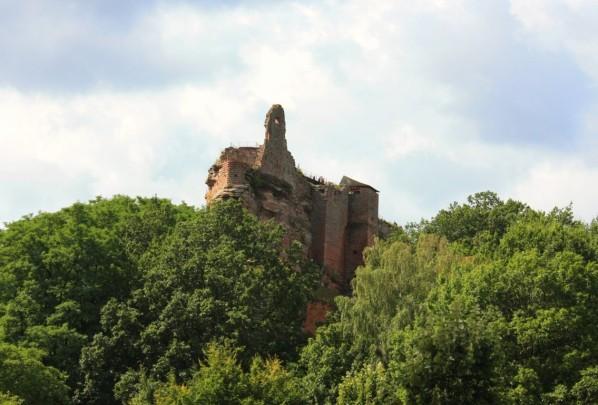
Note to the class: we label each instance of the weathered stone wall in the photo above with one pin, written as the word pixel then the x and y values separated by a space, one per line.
pixel 316 313
pixel 356 241
pixel 363 209
pixel 334 222
pixel 337 204
pixel 362 228
pixel 273 156
pixel 226 177
pixel 236 173
pixel 318 223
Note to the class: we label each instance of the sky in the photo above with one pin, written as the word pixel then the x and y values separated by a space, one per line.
pixel 429 101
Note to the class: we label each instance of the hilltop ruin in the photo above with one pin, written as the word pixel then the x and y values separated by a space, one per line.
pixel 334 222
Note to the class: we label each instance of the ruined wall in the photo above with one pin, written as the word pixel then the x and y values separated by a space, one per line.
pixel 356 241
pixel 227 176
pixel 316 313
pixel 362 227
pixel 337 205
pixel 363 209
pixel 273 156
pixel 318 223
pixel 373 218
pixel 334 222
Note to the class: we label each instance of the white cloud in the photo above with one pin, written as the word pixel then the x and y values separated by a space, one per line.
pixel 406 141
pixel 398 94
pixel 563 24
pixel 558 183
pixel 118 142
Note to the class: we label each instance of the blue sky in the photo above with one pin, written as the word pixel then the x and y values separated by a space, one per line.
pixel 428 101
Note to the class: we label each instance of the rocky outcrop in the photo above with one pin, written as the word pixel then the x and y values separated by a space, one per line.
pixel 334 222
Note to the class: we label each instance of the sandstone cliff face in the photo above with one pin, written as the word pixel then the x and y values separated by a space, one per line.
pixel 266 180
pixel 333 222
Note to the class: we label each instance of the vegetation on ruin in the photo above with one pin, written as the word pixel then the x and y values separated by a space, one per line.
pixel 142 301
pixel 261 181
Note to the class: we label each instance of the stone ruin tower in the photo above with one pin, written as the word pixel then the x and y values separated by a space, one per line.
pixel 334 222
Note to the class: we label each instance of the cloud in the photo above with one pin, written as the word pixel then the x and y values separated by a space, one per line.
pixel 58 150
pixel 407 141
pixel 566 24
pixel 428 101
pixel 553 184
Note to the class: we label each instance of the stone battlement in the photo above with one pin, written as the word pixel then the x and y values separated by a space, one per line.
pixel 334 222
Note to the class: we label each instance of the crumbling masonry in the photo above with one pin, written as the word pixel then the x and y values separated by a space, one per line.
pixel 335 222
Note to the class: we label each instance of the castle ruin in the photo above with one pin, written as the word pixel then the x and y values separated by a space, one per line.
pixel 334 222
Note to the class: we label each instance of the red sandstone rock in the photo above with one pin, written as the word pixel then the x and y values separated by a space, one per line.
pixel 334 222
pixel 316 312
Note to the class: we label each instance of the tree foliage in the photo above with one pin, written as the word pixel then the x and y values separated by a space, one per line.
pixel 140 301
pixel 105 290
pixel 24 376
pixel 488 302
pixel 219 276
pixel 220 379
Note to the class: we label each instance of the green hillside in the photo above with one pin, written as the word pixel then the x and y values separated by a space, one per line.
pixel 142 301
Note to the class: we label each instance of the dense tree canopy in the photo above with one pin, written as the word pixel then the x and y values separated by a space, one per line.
pixel 488 302
pixel 97 294
pixel 140 301
pixel 218 277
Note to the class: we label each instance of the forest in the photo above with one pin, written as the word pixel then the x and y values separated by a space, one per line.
pixel 142 301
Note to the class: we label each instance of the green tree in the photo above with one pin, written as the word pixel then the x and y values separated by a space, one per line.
pixel 220 379
pixel 370 385
pixel 451 355
pixel 478 224
pixel 489 302
pixel 24 375
pixel 325 360
pixel 388 293
pixel 58 269
pixel 8 399
pixel 218 276
pixel 585 391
